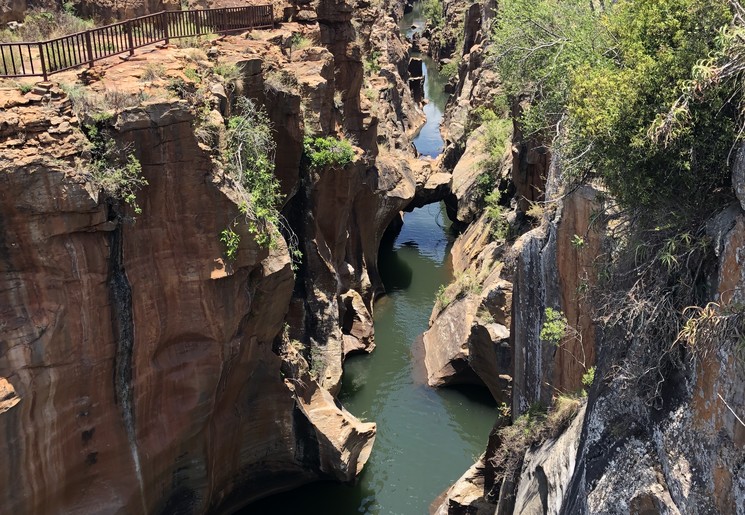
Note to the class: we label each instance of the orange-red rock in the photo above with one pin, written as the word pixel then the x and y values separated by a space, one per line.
pixel 139 363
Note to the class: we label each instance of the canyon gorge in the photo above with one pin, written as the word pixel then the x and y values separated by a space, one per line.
pixel 405 301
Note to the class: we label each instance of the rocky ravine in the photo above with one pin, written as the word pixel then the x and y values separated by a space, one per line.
pixel 141 370
pixel 682 453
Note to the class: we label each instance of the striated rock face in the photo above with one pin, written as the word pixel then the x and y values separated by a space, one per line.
pixel 386 94
pixel 444 39
pixel 137 364
pixel 547 470
pixel 682 454
pixel 467 193
pixel 432 185
pixel 476 85
pixel 555 266
pixel 341 214
pixel 142 371
pixel 466 496
pixel 684 451
pixel 341 255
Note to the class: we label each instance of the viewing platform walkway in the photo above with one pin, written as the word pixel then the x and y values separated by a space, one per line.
pixel 43 58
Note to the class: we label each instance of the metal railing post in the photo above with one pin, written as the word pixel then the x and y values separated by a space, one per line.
pixel 43 64
pixel 165 26
pixel 130 38
pixel 89 47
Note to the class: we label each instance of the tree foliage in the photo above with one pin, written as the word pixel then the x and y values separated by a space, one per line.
pixel 113 169
pixel 328 151
pixel 600 81
pixel 432 10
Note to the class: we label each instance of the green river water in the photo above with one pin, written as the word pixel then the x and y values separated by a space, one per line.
pixel 426 438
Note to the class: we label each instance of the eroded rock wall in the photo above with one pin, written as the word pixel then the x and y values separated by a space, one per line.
pixel 556 267
pixel 682 453
pixel 141 368
pixel 685 453
pixel 468 338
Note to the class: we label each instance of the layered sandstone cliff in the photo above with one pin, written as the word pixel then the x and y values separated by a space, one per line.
pixel 142 370
pixel 141 358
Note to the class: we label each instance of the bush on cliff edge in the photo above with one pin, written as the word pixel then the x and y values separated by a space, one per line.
pixel 249 158
pixel 598 81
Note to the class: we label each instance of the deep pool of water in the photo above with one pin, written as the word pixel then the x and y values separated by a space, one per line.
pixel 426 438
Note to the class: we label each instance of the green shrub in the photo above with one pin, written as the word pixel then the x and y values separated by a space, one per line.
pixel 554 327
pixel 114 170
pixel 463 284
pixel 536 46
pixel 249 158
pixel 442 298
pixel 450 69
pixel 24 87
pixel 192 75
pixel 232 241
pixel 371 64
pixel 232 74
pixel 499 229
pixel 602 80
pixel 588 377
pixel 432 11
pixel 299 42
pixel 328 152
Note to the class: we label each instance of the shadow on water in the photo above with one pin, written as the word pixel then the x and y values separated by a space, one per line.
pixel 396 273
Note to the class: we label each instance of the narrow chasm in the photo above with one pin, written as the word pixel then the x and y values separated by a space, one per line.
pixel 425 437
pixel 391 257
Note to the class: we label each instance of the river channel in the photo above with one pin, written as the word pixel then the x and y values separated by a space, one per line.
pixel 426 438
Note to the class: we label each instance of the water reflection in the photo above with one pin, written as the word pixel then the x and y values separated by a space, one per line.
pixel 428 141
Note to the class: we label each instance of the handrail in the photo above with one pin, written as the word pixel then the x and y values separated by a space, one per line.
pixel 43 58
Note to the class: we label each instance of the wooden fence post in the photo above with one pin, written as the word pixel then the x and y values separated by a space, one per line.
pixel 165 25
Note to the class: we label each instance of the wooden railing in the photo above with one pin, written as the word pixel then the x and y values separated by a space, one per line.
pixel 43 58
